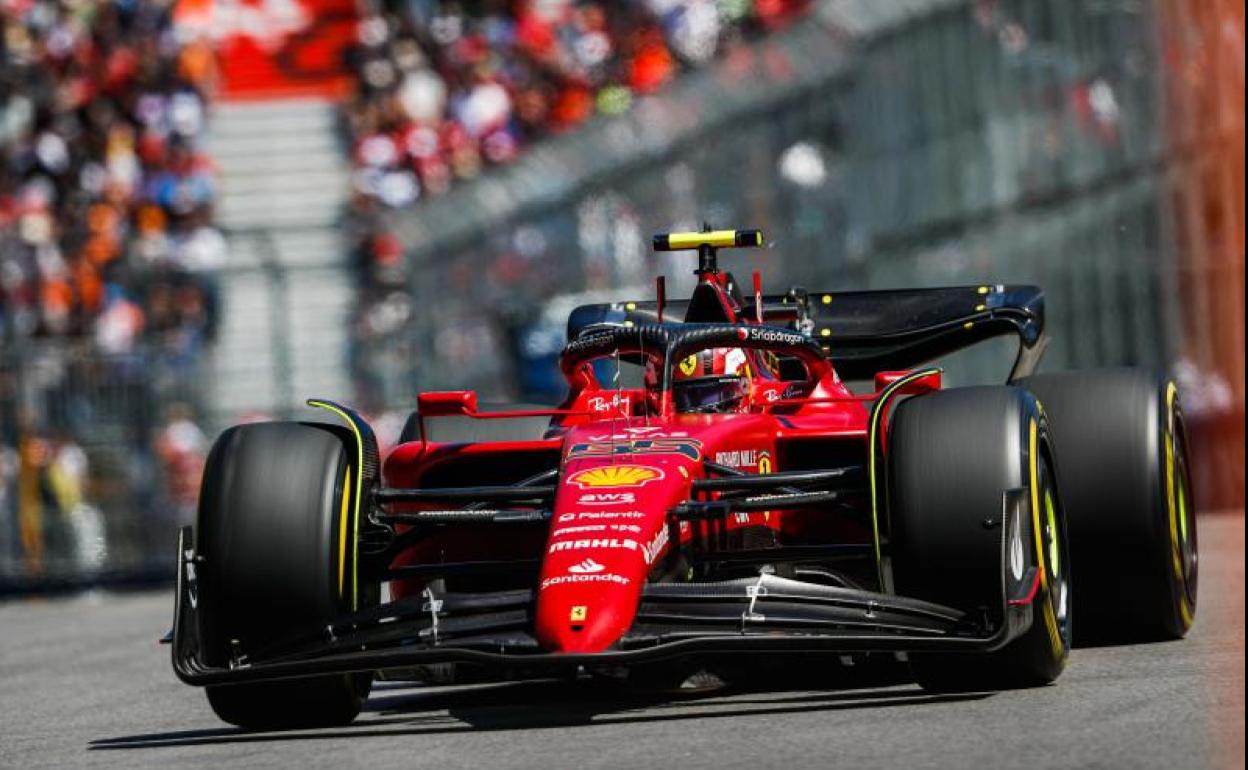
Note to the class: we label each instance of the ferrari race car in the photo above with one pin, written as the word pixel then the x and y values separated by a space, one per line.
pixel 710 489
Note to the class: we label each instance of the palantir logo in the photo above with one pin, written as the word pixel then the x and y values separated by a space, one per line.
pixel 586 567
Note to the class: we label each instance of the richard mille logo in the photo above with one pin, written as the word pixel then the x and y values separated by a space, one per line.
pixel 586 567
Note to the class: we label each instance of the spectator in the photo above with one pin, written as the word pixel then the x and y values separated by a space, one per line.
pixel 103 187
pixel 106 239
pixel 183 449
pixel 445 90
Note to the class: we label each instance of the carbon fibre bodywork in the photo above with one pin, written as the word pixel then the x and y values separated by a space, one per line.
pixel 864 332
pixel 767 614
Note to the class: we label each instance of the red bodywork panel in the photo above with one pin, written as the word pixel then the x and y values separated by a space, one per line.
pixel 624 462
pixel 618 480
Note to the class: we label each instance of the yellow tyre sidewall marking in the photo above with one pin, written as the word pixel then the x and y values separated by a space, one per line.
pixel 359 494
pixel 344 517
pixel 1172 508
pixel 1050 618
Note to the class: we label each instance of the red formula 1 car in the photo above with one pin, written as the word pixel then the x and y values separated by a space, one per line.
pixel 710 489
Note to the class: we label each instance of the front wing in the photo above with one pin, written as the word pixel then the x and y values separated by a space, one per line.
pixel 755 615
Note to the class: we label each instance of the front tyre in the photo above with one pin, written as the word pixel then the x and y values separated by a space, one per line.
pixel 969 468
pixel 277 545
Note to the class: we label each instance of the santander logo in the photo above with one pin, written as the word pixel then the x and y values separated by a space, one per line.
pixel 586 567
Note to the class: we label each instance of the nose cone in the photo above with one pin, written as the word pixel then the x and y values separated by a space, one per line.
pixel 609 530
pixel 586 616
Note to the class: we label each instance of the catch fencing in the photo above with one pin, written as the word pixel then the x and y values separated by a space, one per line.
pixel 99 458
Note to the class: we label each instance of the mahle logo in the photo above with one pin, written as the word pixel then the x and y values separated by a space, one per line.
pixel 615 476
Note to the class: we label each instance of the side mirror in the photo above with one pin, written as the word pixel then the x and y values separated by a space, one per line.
pixel 446 402
pixel 924 384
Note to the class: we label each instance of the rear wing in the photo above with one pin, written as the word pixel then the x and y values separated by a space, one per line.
pixel 864 332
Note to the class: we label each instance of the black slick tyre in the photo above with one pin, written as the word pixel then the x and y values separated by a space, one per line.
pixel 958 460
pixel 276 535
pixel 1127 490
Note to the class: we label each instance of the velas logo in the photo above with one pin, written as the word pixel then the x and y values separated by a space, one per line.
pixel 586 567
pixel 615 476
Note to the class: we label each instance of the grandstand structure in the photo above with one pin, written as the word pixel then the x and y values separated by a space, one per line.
pixel 287 287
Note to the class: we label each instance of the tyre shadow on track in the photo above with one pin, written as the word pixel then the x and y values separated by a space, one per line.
pixel 413 710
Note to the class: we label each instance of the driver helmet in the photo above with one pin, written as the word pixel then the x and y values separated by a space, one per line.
pixel 711 381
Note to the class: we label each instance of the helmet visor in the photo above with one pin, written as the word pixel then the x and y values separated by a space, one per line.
pixel 709 394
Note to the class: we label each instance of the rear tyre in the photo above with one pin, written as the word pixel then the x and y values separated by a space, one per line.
pixel 1127 490
pixel 276 537
pixel 955 458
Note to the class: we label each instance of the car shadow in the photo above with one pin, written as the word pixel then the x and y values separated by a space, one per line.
pixel 404 709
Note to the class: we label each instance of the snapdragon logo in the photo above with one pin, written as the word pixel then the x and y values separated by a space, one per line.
pixel 755 334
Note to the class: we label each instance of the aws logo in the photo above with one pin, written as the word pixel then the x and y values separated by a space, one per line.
pixel 615 476
pixel 608 498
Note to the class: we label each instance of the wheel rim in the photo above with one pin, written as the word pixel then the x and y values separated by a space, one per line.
pixel 1185 513
pixel 1054 555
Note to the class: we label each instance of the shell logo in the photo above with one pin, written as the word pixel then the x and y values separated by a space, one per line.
pixel 615 476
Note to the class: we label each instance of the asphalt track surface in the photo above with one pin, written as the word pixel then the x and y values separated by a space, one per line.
pixel 83 683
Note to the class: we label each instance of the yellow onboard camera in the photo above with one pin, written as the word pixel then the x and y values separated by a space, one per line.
pixel 706 242
pixel 715 239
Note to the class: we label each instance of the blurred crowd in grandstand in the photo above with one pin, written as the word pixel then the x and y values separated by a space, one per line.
pixel 105 195
pixel 107 243
pixel 446 90
pixel 51 486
